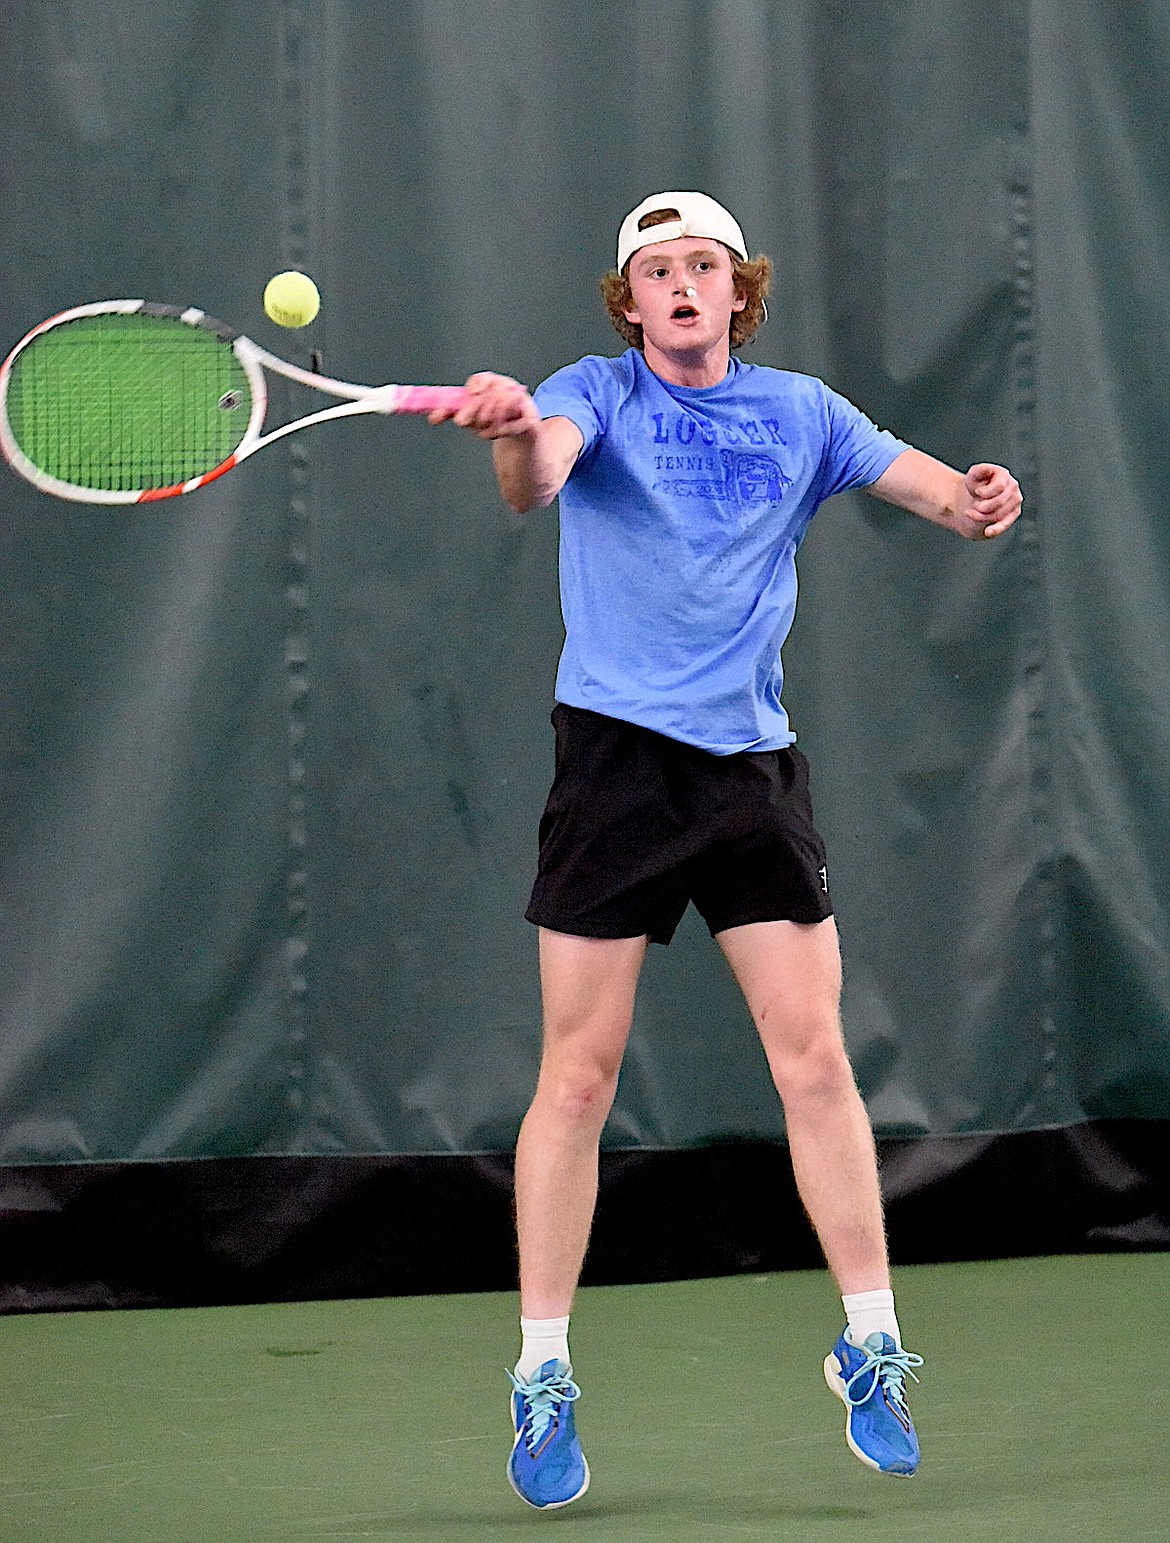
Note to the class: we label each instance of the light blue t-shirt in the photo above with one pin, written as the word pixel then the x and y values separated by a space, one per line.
pixel 680 524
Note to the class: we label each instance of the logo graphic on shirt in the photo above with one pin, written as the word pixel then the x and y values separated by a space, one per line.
pixel 689 429
pixel 823 875
pixel 726 462
pixel 736 476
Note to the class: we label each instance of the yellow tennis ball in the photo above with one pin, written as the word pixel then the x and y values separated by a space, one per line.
pixel 291 299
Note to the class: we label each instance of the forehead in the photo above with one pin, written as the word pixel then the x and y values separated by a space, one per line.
pixel 683 247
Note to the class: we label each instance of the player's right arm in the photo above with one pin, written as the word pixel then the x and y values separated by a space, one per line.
pixel 533 467
pixel 533 456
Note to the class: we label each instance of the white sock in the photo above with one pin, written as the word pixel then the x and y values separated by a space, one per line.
pixel 544 1339
pixel 870 1312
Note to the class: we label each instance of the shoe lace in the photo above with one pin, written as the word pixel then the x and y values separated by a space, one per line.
pixel 890 1368
pixel 542 1399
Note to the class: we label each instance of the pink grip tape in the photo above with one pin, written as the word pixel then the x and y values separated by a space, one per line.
pixel 424 399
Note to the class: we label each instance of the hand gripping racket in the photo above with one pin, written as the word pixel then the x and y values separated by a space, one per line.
pixel 124 401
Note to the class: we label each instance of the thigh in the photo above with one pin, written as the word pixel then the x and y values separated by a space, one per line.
pixel 790 975
pixel 613 839
pixel 767 862
pixel 588 986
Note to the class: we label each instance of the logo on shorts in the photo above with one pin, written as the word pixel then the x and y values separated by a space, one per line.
pixel 823 874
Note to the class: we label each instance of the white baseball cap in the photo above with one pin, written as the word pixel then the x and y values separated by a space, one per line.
pixel 698 215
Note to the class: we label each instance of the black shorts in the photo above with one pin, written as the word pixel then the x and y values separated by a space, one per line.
pixel 638 825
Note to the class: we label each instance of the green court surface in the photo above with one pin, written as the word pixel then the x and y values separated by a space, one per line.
pixel 704 1416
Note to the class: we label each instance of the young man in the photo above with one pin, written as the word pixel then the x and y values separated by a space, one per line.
pixel 687 481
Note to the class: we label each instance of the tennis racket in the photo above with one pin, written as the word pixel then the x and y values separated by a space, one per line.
pixel 124 401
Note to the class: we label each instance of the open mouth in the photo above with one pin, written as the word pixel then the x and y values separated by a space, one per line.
pixel 683 313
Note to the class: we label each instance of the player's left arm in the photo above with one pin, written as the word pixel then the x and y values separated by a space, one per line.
pixel 984 501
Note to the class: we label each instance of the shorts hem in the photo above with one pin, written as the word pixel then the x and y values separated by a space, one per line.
pixel 802 918
pixel 575 929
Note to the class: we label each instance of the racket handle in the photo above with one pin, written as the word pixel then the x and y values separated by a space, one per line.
pixel 425 399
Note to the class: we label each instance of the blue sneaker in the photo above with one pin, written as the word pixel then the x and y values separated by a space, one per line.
pixel 870 1382
pixel 547 1467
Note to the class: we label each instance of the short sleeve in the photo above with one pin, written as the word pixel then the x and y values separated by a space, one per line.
pixel 587 393
pixel 857 451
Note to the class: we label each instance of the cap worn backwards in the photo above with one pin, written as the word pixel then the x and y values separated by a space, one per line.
pixel 697 215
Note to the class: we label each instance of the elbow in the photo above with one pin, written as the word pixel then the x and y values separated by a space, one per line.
pixel 516 493
pixel 524 500
pixel 521 500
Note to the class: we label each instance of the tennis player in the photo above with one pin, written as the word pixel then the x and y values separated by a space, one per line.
pixel 687 480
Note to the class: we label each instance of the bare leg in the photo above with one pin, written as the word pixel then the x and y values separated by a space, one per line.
pixel 790 975
pixel 588 987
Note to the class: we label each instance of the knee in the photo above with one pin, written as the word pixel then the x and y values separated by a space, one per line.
pixel 816 1070
pixel 578 1092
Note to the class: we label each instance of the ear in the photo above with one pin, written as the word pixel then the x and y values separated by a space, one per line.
pixel 739 302
pixel 632 316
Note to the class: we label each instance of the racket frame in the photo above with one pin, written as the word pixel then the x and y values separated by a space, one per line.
pixel 253 360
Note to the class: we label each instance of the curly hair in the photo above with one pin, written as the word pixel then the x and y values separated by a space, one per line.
pixel 752 279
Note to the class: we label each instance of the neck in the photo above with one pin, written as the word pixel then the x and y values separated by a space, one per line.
pixel 705 368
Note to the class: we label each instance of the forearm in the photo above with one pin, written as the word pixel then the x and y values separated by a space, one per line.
pixel 983 501
pixel 533 456
pixel 926 487
pixel 529 471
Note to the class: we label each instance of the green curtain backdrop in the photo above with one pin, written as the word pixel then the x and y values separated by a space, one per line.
pixel 272 756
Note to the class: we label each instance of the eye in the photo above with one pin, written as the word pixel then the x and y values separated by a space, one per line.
pixel 704 265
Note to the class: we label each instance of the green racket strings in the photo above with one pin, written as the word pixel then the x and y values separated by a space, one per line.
pixel 120 402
